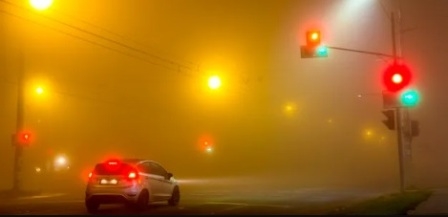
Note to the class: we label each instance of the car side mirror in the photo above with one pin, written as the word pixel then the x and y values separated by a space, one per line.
pixel 169 175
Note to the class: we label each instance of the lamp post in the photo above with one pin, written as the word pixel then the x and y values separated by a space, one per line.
pixel 16 187
pixel 19 127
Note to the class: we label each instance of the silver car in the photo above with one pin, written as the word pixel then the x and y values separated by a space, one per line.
pixel 131 181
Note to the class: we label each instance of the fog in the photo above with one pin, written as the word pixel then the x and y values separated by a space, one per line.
pixel 129 79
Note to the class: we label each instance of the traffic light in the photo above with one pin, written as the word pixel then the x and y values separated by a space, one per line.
pixel 390 121
pixel 396 77
pixel 313 47
pixel 390 100
pixel 313 38
pixel 409 98
pixel 208 147
pixel 23 138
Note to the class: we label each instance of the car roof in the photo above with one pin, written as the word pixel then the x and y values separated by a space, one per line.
pixel 133 161
pixel 136 160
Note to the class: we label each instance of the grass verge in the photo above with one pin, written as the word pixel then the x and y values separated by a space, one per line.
pixel 391 204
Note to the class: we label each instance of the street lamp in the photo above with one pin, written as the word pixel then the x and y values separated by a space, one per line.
pixel 38 5
pixel 41 4
pixel 39 90
pixel 60 163
pixel 214 82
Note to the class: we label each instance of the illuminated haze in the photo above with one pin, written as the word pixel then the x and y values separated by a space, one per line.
pixel 101 102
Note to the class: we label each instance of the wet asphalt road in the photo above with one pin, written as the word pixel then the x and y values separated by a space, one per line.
pixel 202 201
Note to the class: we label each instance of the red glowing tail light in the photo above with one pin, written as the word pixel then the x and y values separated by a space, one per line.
pixel 112 162
pixel 132 175
pixel 112 165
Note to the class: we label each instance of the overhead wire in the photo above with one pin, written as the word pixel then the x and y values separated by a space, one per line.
pixel 171 62
pixel 178 66
pixel 80 38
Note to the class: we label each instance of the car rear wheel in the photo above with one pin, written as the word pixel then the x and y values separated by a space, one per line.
pixel 143 200
pixel 92 205
pixel 175 197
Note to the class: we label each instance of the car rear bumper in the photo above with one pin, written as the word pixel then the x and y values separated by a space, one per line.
pixel 107 194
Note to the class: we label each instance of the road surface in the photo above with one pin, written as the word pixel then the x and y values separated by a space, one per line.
pixel 202 200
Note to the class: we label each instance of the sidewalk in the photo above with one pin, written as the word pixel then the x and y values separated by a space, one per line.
pixel 437 204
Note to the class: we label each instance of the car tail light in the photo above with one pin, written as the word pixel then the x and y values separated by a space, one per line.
pixel 132 175
pixel 112 165
pixel 112 162
pixel 91 176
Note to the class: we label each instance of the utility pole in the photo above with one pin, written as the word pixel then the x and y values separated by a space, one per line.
pixel 407 133
pixel 19 127
pixel 399 121
pixel 402 116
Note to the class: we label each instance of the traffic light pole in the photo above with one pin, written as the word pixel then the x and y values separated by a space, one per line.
pixel 401 156
pixel 402 123
pixel 362 51
pixel 20 112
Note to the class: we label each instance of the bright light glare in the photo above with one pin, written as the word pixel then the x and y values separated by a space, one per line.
pixel 289 108
pixel 209 149
pixel 132 175
pixel 38 169
pixel 41 4
pixel 369 133
pixel 61 161
pixel 314 36
pixel 214 82
pixel 39 90
pixel 397 78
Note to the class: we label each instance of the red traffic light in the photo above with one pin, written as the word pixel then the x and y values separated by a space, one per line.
pixel 24 138
pixel 313 38
pixel 396 77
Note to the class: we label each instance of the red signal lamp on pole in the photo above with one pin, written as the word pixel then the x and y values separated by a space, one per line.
pixel 396 77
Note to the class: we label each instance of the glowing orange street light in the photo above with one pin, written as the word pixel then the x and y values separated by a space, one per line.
pixel 39 90
pixel 41 4
pixel 214 82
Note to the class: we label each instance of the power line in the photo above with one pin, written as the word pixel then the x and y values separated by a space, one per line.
pixel 109 31
pixel 81 38
pixel 126 103
pixel 97 36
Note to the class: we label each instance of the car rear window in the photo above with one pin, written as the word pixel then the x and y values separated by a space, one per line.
pixel 106 169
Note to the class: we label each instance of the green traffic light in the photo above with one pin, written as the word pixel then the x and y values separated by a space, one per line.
pixel 322 51
pixel 410 98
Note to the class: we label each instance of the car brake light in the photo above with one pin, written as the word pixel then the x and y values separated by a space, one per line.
pixel 132 175
pixel 112 163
